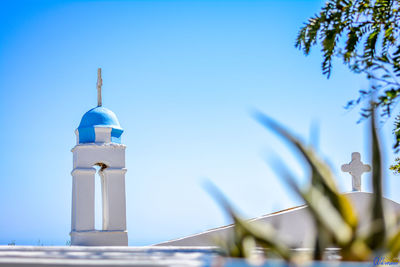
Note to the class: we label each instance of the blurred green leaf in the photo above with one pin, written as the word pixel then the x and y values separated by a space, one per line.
pixel 321 177
pixel 263 234
pixel 378 234
pixel 394 245
pixel 334 216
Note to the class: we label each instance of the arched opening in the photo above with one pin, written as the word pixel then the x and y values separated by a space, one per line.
pixel 99 196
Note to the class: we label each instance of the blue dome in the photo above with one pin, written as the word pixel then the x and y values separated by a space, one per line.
pixel 99 117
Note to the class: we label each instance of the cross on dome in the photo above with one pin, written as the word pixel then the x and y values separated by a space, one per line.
pixel 99 84
pixel 356 168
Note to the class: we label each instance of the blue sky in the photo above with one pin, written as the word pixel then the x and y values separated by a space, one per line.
pixel 183 78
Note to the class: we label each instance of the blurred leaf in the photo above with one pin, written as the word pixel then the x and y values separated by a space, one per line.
pixel 263 234
pixel 322 177
pixel 357 250
pixel 377 237
pixel 334 215
pixel 394 245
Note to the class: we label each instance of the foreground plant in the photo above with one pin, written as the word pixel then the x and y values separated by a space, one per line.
pixel 334 216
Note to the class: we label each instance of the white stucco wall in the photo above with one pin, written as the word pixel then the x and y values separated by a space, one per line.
pixel 294 226
pixel 112 155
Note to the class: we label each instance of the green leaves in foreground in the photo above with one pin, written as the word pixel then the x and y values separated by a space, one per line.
pixel 333 213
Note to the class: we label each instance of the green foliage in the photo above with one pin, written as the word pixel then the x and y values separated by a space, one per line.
pixel 396 166
pixel 334 216
pixel 246 236
pixel 364 34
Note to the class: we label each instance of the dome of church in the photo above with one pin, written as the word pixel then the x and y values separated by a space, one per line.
pixel 99 117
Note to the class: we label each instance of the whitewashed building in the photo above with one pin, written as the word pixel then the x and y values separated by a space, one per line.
pixel 99 146
pixel 98 143
pixel 295 226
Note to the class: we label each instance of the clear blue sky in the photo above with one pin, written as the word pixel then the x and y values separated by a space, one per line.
pixel 182 77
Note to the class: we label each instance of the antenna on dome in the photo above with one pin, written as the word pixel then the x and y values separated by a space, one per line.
pixel 99 84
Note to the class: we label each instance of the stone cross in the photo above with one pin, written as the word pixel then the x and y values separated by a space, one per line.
pixel 356 168
pixel 99 84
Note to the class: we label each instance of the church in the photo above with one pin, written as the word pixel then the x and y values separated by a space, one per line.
pixel 98 143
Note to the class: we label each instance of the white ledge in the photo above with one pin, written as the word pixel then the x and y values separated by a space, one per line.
pixel 117 170
pixel 83 170
pixel 94 145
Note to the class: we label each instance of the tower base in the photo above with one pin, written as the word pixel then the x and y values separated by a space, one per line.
pixel 99 238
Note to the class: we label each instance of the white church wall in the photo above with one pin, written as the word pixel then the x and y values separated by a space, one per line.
pixel 294 226
pixel 114 215
pixel 83 199
pixel 113 232
pixel 102 134
pixel 87 155
pixel 99 238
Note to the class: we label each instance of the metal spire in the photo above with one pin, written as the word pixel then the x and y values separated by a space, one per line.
pixel 99 84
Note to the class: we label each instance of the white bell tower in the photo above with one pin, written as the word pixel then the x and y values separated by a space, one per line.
pixel 99 143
